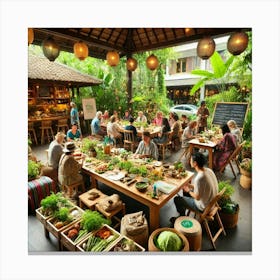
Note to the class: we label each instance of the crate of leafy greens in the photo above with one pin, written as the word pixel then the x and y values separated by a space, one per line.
pixel 99 240
pixel 50 204
pixel 63 218
pixel 90 221
pixel 125 244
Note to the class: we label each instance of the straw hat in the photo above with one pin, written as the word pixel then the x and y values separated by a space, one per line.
pixel 69 147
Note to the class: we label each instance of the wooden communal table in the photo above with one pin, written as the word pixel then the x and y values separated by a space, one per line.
pixel 50 118
pixel 209 145
pixel 131 191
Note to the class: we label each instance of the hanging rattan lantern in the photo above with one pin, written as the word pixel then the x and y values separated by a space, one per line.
pixel 113 58
pixel 50 49
pixel 131 64
pixel 30 36
pixel 237 43
pixel 205 47
pixel 81 50
pixel 152 62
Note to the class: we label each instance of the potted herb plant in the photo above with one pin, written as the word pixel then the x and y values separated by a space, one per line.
pixel 229 209
pixel 89 147
pixel 246 173
pixel 34 169
pixel 247 150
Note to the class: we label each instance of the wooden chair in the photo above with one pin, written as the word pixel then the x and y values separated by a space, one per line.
pixel 32 132
pixel 62 125
pixel 112 214
pixel 46 131
pixel 162 147
pixel 210 213
pixel 129 140
pixel 233 158
pixel 69 189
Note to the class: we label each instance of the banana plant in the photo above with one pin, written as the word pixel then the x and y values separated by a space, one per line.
pixel 221 71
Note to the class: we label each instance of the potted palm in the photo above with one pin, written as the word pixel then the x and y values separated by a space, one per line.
pixel 246 173
pixel 229 209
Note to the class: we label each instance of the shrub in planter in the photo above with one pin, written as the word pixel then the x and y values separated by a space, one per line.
pixel 34 169
pixel 247 150
pixel 229 208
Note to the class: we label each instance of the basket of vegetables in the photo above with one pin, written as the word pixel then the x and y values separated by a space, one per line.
pixel 99 241
pixel 50 204
pixel 125 244
pixel 63 218
pixel 90 221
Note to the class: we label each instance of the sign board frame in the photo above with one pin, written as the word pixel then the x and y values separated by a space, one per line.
pixel 225 111
pixel 89 108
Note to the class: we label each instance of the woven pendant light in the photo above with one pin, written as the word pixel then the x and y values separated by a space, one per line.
pixel 113 58
pixel 237 43
pixel 30 36
pixel 205 47
pixel 131 64
pixel 152 62
pixel 50 49
pixel 81 50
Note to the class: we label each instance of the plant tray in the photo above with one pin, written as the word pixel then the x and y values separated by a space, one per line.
pixel 119 245
pixel 43 219
pixel 57 232
pixel 81 245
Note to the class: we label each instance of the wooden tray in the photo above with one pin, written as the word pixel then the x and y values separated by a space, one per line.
pixel 43 219
pixel 93 233
pixel 137 247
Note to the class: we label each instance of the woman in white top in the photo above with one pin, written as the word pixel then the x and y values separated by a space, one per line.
pixel 141 117
pixel 234 129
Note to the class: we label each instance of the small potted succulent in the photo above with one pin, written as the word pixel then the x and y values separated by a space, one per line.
pixel 229 209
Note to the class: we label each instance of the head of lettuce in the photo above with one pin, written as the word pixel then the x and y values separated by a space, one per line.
pixel 169 241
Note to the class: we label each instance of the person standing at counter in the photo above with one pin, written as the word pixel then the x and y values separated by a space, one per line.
pixel 73 133
pixel 146 148
pixel 203 114
pixel 74 115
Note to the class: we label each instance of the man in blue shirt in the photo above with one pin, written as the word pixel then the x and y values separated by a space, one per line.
pixel 96 128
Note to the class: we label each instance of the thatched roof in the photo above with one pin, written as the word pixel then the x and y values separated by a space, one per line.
pixel 43 70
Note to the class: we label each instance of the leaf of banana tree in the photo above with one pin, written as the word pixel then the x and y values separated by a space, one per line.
pixel 198 85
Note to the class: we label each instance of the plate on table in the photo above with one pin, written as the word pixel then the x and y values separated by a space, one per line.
pixel 158 164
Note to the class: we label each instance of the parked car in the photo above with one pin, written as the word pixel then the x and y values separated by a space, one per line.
pixel 184 109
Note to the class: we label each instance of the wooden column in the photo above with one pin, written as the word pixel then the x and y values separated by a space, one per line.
pixel 129 90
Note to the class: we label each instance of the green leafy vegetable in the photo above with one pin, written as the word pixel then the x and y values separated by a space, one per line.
pixel 169 241
pixel 92 220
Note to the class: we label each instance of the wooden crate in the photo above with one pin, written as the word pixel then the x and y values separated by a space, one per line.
pixel 120 240
pixel 57 232
pixel 43 219
pixel 94 233
pixel 67 242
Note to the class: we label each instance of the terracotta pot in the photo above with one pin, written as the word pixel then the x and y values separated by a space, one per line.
pixel 245 179
pixel 152 247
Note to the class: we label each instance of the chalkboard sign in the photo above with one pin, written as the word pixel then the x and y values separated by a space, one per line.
pixel 225 111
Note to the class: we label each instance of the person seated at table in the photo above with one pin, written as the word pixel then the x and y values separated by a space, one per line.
pixel 163 135
pixel 146 148
pixel 184 121
pixel 73 133
pixel 198 195
pixel 176 128
pixel 54 153
pixel 105 116
pixel 235 130
pixel 141 117
pixel 158 119
pixel 224 148
pixel 132 127
pixel 114 129
pixel 127 115
pixel 171 118
pixel 96 127
pixel 68 167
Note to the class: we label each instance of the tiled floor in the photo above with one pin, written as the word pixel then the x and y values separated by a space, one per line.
pixel 236 240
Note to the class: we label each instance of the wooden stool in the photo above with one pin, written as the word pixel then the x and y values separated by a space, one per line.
pixel 69 189
pixel 46 128
pixel 32 132
pixel 62 125
pixel 191 228
pixel 112 214
pixel 87 200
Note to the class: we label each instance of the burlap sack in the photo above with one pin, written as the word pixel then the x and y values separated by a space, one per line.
pixel 133 224
pixel 110 203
